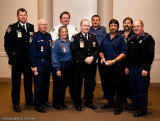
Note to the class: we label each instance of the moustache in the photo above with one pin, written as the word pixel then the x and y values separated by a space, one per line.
pixel 126 26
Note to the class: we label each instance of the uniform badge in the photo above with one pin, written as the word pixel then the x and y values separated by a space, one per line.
pixel 94 44
pixel 30 33
pixel 30 40
pixel 64 50
pixel 140 41
pixel 42 49
pixel 19 34
pixel 9 29
pixel 81 44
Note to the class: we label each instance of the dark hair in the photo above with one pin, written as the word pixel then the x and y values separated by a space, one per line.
pixel 95 16
pixel 128 18
pixel 114 21
pixel 21 9
pixel 65 12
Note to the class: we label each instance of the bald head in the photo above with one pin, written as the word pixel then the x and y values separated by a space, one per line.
pixel 138 27
pixel 42 25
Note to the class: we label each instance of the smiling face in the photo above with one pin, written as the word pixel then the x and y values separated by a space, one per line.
pixel 127 25
pixel 65 19
pixel 22 17
pixel 85 26
pixel 63 33
pixel 138 28
pixel 42 25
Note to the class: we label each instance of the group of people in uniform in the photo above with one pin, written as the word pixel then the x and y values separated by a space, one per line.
pixel 123 58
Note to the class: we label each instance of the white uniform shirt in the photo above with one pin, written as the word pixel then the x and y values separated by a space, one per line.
pixel 71 31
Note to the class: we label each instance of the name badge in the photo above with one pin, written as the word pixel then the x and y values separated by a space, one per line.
pixel 94 44
pixel 81 44
pixel 19 34
pixel 64 50
pixel 42 49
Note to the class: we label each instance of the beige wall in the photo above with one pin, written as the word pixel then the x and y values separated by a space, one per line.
pixel 79 9
pixel 148 12
pixel 8 11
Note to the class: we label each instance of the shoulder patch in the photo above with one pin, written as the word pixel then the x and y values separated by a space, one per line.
pixel 53 30
pixel 9 29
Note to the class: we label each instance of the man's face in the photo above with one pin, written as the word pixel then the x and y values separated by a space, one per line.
pixel 113 28
pixel 127 25
pixel 85 26
pixel 138 28
pixel 42 26
pixel 22 17
pixel 95 22
pixel 65 19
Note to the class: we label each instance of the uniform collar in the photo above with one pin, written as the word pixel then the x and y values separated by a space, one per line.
pixel 60 39
pixel 94 29
pixel 142 35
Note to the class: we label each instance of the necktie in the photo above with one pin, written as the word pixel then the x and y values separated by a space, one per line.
pixel 24 27
pixel 85 36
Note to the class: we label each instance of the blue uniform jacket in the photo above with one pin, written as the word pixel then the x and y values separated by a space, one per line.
pixel 40 49
pixel 61 52
pixel 113 48
pixel 100 33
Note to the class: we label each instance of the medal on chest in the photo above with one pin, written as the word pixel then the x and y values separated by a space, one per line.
pixel 19 34
pixel 94 44
pixel 81 44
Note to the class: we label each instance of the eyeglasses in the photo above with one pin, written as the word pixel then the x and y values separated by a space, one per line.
pixel 43 24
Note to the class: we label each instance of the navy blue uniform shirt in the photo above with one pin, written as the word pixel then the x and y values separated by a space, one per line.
pixel 130 34
pixel 40 48
pixel 61 52
pixel 112 48
pixel 100 33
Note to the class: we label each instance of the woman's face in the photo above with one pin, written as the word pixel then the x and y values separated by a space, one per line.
pixel 63 33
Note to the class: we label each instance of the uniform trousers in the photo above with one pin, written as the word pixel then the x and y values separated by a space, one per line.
pixel 41 85
pixel 139 88
pixel 17 71
pixel 60 83
pixel 86 72
pixel 112 83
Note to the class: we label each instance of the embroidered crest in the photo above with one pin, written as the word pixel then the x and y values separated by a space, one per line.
pixel 140 41
pixel 9 29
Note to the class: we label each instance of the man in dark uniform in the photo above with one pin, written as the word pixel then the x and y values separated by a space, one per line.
pixel 139 59
pixel 84 48
pixel 16 46
pixel 112 50
pixel 40 58
pixel 127 32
